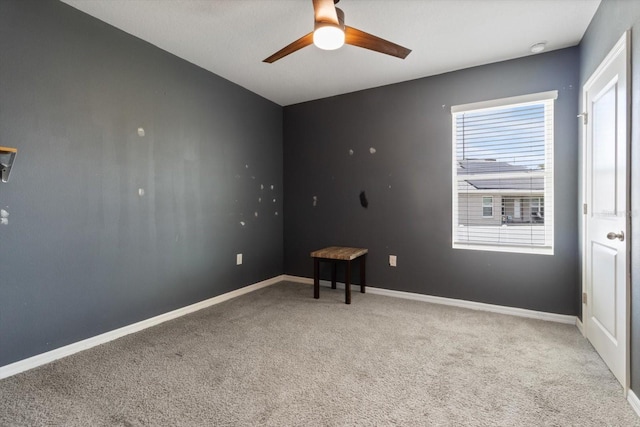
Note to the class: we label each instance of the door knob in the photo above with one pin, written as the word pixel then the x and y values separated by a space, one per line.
pixel 612 235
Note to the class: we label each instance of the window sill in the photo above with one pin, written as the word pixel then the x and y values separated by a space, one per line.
pixel 541 250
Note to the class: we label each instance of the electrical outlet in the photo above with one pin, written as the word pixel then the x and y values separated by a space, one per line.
pixel 393 260
pixel 238 259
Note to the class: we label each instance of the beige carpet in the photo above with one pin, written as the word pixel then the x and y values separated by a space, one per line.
pixel 277 357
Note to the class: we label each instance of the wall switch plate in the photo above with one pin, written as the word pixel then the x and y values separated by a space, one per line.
pixel 238 259
pixel 393 260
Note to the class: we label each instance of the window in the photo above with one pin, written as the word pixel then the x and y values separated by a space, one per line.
pixel 537 209
pixel 503 156
pixel 487 207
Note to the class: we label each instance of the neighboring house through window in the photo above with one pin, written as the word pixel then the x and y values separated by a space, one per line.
pixel 537 209
pixel 503 157
pixel 487 207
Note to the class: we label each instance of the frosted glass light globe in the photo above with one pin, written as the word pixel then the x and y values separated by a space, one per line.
pixel 328 37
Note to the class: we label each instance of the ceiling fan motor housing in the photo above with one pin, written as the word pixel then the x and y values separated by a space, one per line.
pixel 320 24
pixel 328 35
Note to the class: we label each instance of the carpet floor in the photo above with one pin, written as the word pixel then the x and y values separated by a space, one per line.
pixel 277 357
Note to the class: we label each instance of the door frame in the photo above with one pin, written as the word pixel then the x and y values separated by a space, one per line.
pixel 624 43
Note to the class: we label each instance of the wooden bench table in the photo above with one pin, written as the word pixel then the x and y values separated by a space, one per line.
pixel 334 254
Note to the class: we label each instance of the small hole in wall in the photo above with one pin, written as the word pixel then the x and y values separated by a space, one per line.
pixel 363 200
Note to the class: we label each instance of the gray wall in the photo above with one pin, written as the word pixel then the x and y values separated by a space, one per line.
pixel 83 252
pixel 613 18
pixel 408 184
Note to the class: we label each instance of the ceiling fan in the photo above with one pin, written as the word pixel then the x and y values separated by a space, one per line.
pixel 330 33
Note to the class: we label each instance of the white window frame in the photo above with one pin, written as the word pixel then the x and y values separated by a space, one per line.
pixel 536 98
pixel 490 206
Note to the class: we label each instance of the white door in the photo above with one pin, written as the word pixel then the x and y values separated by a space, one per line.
pixel 605 313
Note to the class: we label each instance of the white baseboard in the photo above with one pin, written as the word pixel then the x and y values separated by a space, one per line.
pixel 67 350
pixel 58 353
pixel 304 280
pixel 520 312
pixel 580 326
pixel 633 401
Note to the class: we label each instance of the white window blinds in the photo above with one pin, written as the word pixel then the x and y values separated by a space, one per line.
pixel 503 174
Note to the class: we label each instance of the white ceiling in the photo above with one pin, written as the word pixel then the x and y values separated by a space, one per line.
pixel 231 37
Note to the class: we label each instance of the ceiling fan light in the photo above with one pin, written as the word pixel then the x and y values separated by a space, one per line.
pixel 328 37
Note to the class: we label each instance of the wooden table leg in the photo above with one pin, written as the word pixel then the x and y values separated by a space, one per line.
pixel 316 278
pixel 347 284
pixel 363 277
pixel 333 274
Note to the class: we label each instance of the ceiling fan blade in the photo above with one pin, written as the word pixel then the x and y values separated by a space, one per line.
pixel 296 45
pixel 355 37
pixel 325 11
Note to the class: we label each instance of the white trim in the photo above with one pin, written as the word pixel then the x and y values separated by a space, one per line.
pixel 512 311
pixel 620 45
pixel 513 100
pixel 67 350
pixel 299 279
pixel 580 326
pixel 633 401
pixel 535 250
